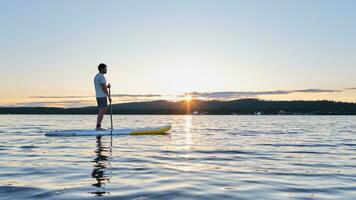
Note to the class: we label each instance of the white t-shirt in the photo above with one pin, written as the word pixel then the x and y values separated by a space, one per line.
pixel 99 80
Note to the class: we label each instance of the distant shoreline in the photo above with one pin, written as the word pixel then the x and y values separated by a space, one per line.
pixel 199 107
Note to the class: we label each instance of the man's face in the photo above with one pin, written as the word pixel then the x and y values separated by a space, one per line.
pixel 104 70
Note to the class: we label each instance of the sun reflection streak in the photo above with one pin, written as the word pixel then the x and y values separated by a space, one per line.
pixel 187 130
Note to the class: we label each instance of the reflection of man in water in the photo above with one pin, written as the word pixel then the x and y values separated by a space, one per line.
pixel 102 161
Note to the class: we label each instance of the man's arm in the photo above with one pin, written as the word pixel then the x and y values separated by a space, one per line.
pixel 105 88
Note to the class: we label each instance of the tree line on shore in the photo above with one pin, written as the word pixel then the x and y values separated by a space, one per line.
pixel 241 106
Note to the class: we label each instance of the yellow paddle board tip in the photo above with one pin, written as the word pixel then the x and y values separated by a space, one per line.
pixel 152 130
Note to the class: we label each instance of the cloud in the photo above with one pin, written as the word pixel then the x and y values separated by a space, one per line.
pixel 80 101
pixel 238 94
pixel 314 91
pixel 137 95
pixel 59 97
pixel 66 104
pixel 113 95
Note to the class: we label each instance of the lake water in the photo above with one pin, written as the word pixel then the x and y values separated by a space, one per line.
pixel 203 157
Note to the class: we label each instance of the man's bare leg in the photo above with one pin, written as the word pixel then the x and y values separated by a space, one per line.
pixel 100 117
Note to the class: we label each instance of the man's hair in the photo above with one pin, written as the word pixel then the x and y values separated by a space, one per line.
pixel 101 66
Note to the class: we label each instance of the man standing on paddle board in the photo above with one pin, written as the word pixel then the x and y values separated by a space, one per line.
pixel 102 94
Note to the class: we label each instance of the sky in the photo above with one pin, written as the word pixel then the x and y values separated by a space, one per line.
pixel 158 49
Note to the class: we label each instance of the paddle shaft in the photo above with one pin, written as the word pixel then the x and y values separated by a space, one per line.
pixel 110 110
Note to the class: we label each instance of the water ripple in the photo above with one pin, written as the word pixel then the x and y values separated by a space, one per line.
pixel 204 157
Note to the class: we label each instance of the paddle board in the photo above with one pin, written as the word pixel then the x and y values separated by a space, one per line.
pixel 122 131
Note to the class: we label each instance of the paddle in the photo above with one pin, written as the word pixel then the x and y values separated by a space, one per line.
pixel 110 110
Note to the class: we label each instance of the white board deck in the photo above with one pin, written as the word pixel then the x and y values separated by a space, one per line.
pixel 120 131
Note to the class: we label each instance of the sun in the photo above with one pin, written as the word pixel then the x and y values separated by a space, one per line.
pixel 188 98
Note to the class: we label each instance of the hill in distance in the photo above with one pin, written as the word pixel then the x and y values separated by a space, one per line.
pixel 242 106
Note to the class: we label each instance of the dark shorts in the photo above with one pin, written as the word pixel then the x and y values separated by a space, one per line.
pixel 102 102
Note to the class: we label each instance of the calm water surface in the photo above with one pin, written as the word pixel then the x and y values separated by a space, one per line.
pixel 203 157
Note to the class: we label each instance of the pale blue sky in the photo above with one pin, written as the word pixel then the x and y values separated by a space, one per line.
pixel 172 47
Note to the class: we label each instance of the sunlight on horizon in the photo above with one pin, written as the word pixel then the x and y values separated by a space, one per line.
pixel 59 101
pixel 188 98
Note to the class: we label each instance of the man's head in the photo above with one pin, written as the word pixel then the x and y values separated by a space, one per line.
pixel 102 68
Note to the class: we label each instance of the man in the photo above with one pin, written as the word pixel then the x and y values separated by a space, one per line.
pixel 102 94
